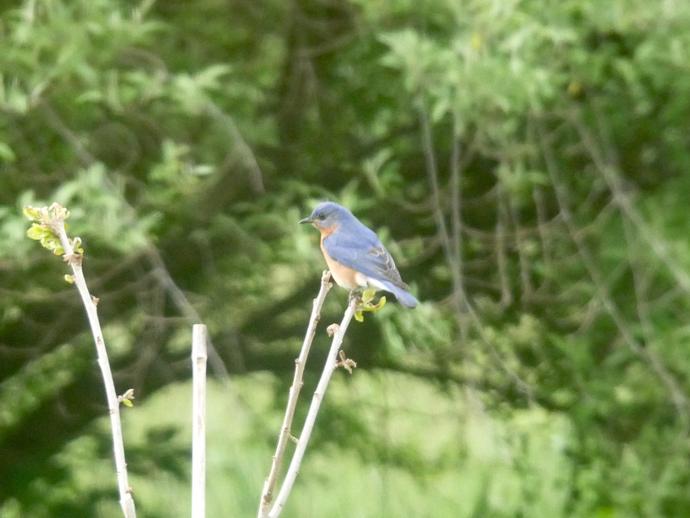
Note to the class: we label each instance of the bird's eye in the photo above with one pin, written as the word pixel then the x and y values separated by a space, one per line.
pixel 321 217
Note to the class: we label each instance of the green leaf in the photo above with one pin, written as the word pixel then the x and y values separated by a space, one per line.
pixel 38 232
pixel 32 213
pixel 379 305
pixel 49 241
pixel 368 295
pixel 127 398
pixel 359 317
pixel 69 279
pixel 6 153
pixel 367 306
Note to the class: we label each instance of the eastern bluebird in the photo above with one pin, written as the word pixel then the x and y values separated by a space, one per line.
pixel 354 254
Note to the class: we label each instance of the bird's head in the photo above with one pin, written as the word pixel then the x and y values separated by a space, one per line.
pixel 327 215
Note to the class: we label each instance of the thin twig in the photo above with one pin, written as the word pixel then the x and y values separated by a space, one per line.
pixel 161 271
pixel 184 306
pixel 75 262
pixel 523 261
pixel 501 259
pixel 655 363
pixel 432 173
pixel 319 393
pixel 540 206
pixel 256 177
pixel 199 356
pixel 300 363
pixel 610 172
pixel 456 201
pixel 451 258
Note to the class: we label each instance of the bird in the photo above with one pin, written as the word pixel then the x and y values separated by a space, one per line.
pixel 354 254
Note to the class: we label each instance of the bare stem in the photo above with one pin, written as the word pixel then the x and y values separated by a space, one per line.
pixel 432 172
pixel 602 292
pixel 75 260
pixel 300 362
pixel 463 304
pixel 199 357
pixel 319 393
pixel 501 260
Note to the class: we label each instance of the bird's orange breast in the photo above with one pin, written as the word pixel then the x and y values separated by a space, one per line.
pixel 343 276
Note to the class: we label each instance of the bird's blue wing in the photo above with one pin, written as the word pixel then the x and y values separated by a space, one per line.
pixel 363 252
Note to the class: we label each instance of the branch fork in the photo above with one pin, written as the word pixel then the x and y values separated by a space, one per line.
pixel 297 383
pixel 336 358
pixel 329 367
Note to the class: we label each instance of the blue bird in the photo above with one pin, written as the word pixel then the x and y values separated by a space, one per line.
pixel 354 254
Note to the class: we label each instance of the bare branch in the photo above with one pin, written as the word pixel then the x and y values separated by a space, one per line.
pixel 506 294
pixel 525 278
pixel 456 227
pixel 184 306
pixel 453 260
pixel 622 200
pixel 54 218
pixel 256 177
pixel 432 173
pixel 655 363
pixel 319 393
pixel 300 363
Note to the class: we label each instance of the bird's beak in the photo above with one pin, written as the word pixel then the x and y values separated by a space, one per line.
pixel 306 220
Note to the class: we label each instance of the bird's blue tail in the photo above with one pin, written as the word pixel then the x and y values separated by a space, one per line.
pixel 404 297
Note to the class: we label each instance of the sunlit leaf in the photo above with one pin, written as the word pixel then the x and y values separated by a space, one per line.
pixel 38 231
pixel 32 213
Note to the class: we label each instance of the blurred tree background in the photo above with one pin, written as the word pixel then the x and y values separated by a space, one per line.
pixel 526 162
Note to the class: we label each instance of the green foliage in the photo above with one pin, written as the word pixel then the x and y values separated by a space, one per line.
pixel 47 223
pixel 367 305
pixel 127 398
pixel 466 461
pixel 47 237
pixel 43 226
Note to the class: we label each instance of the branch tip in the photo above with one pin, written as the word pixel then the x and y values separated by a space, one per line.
pixel 332 329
